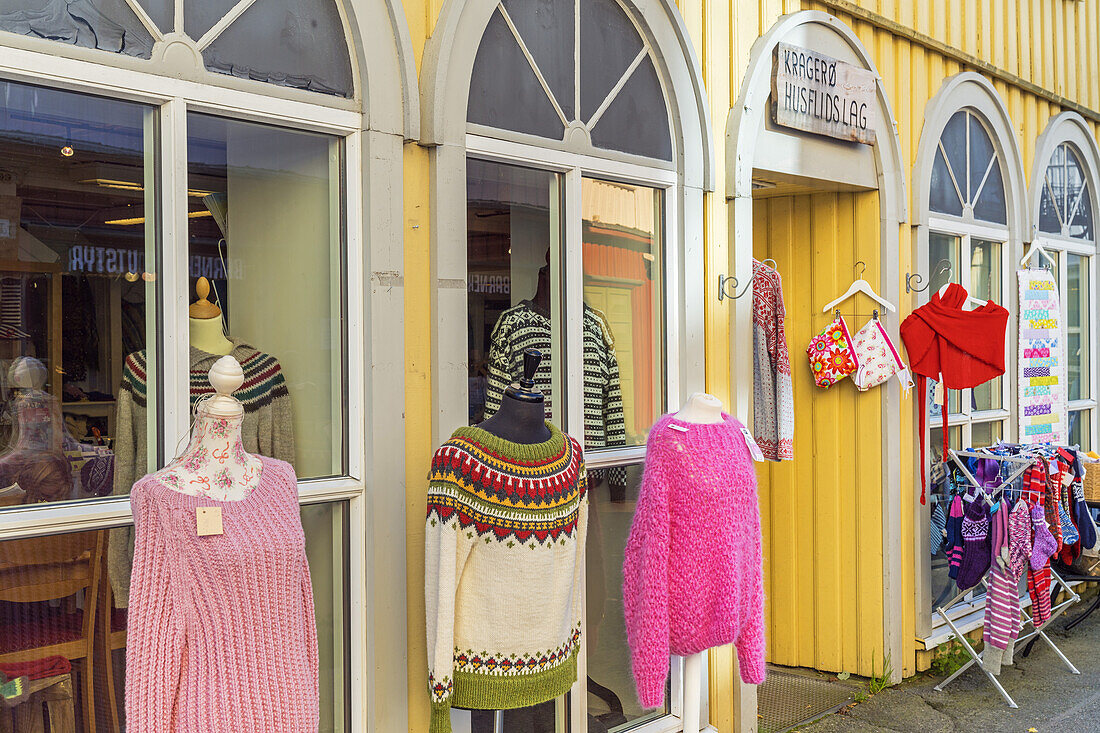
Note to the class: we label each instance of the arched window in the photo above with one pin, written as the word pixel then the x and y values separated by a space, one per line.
pixel 531 76
pixel 969 197
pixel 1064 192
pixel 577 155
pixel 293 43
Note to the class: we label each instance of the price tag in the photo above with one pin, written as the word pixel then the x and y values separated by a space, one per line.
pixel 208 520
pixel 674 426
pixel 937 393
pixel 754 449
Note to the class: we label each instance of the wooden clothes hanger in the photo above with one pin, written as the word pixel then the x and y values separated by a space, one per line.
pixel 860 286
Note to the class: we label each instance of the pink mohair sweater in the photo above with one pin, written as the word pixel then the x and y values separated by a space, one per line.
pixel 692 573
pixel 221 637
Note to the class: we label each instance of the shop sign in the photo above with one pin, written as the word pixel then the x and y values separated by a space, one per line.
pixel 490 284
pixel 819 94
pixel 117 261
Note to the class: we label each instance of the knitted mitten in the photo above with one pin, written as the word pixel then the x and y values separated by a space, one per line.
pixel 954 537
pixel 1070 535
pixel 1044 546
pixel 976 553
pixel 938 528
pixel 1050 504
pixel 1019 538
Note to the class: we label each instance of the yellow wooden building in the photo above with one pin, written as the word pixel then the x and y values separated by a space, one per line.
pixel 402 173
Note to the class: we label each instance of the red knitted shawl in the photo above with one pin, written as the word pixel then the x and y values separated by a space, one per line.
pixel 958 347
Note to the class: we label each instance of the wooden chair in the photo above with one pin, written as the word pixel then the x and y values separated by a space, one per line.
pixel 48 568
pixel 110 638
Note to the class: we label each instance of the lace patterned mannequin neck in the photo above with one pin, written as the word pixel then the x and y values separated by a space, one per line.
pixel 215 464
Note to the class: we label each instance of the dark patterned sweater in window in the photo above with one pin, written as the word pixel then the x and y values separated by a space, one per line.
pixel 525 326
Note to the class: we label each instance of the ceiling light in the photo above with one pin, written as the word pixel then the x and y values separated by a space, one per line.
pixel 67 151
pixel 141 219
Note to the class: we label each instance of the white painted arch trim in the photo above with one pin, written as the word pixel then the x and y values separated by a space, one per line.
pixel 449 61
pixel 1067 127
pixel 747 116
pixel 386 66
pixel 970 90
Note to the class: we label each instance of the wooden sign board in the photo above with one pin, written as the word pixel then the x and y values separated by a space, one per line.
pixel 819 94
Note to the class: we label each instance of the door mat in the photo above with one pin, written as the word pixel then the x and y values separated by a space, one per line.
pixel 791 697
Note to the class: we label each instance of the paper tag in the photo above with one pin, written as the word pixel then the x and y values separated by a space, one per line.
pixel 937 394
pixel 674 426
pixel 208 520
pixel 754 449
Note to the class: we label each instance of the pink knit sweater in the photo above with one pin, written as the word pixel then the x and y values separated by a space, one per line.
pixel 692 573
pixel 221 635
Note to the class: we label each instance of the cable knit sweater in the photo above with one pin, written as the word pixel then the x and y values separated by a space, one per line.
pixel 692 571
pixel 504 551
pixel 221 637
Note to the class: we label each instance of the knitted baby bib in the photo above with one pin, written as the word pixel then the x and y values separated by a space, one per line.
pixel 976 554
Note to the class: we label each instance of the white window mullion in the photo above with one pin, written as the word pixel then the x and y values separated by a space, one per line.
pixel 174 363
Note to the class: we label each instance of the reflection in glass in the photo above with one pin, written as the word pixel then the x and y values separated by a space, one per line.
pixel 985 284
pixel 77 272
pixel 612 699
pixel 1078 342
pixel 266 233
pixel 107 25
pixel 940 495
pixel 49 587
pixel 1065 206
pixel 966 172
pixel 622 287
pixel 985 434
pixel 1080 430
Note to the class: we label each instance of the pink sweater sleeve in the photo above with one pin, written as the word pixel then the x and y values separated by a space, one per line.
pixel 154 638
pixel 645 585
pixel 750 644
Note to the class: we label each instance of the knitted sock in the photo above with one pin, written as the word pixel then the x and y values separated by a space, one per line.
pixel 1050 504
pixel 1044 546
pixel 1038 588
pixel 1019 538
pixel 954 537
pixel 976 552
pixel 938 528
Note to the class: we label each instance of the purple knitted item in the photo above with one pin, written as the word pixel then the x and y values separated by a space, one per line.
pixel 1019 539
pixel 1044 545
pixel 976 544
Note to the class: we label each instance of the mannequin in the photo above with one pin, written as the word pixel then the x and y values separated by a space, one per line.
pixel 521 417
pixel 205 323
pixel 702 409
pixel 215 463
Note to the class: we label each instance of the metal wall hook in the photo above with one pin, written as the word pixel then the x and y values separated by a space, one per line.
pixel 775 265
pixel 864 268
pixel 942 266
pixel 723 293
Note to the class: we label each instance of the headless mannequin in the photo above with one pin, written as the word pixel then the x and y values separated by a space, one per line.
pixel 701 409
pixel 541 298
pixel 215 463
pixel 522 416
pixel 205 323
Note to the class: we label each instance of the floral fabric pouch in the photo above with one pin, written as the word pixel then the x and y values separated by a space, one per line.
pixel 831 353
pixel 876 358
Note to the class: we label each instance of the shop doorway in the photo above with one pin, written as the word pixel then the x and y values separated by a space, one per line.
pixel 819 206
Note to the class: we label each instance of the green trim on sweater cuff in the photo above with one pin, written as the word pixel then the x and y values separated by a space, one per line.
pixel 441 718
pixel 497 692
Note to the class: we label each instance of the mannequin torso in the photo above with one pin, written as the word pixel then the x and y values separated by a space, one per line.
pixel 215 463
pixel 207 335
pixel 522 414
pixel 701 408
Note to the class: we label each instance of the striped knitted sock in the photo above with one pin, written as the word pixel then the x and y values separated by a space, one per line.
pixel 14 691
pixel 954 537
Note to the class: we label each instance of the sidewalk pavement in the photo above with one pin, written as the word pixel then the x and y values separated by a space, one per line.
pixel 1051 698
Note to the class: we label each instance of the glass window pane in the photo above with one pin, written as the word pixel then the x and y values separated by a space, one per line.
pixel 985 284
pixel 991 204
pixel 1080 429
pixel 1077 326
pixel 547 28
pixel 107 25
pixel 612 698
pixel 512 218
pixel 942 247
pixel 609 43
pixel 954 144
pixel 277 279
pixel 504 91
pixel 623 333
pixel 939 506
pixel 980 156
pixel 641 98
pixel 291 43
pixel 78 236
pixel 985 434
pixel 942 195
pixel 1050 213
pixel 46 584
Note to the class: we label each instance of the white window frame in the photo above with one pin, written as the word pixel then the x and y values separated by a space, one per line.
pixel 573 167
pixel 172 99
pixel 973 92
